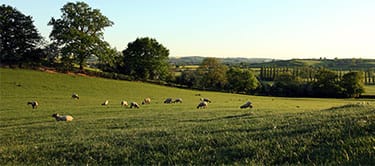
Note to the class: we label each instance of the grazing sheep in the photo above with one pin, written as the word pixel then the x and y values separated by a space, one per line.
pixel 247 105
pixel 134 104
pixel 146 101
pixel 178 100
pixel 62 118
pixel 105 103
pixel 206 100
pixel 202 104
pixel 75 96
pixel 168 101
pixel 124 103
pixel 34 104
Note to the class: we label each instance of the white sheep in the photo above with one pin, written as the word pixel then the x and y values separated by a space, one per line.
pixel 62 118
pixel 178 100
pixel 202 104
pixel 134 104
pixel 206 100
pixel 105 103
pixel 75 96
pixel 34 104
pixel 247 105
pixel 124 103
pixel 146 101
pixel 168 101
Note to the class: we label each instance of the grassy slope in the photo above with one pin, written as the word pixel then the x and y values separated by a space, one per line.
pixel 276 131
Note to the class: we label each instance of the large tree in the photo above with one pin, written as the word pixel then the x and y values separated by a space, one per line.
pixel 19 39
pixel 145 58
pixel 79 32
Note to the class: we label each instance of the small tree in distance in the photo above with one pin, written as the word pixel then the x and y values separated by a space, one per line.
pixel 353 84
pixel 241 80
pixel 212 74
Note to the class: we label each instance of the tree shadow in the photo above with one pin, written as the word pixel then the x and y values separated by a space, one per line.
pixel 247 115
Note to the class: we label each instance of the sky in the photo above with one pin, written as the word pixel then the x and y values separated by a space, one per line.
pixel 276 29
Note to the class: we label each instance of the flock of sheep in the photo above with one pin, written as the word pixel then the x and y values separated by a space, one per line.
pixel 203 104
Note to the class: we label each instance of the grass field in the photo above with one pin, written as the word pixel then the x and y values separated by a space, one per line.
pixel 275 131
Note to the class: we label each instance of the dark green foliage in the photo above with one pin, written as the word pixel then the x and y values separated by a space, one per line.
pixel 327 84
pixel 353 84
pixel 19 39
pixel 241 80
pixel 145 58
pixel 287 84
pixel 212 74
pixel 79 32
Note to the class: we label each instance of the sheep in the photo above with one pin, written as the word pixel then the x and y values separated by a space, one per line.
pixel 124 103
pixel 62 118
pixel 105 103
pixel 168 101
pixel 34 104
pixel 247 105
pixel 206 100
pixel 134 104
pixel 75 96
pixel 202 104
pixel 178 100
pixel 146 101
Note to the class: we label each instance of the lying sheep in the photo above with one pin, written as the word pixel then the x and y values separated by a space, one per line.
pixel 105 103
pixel 247 105
pixel 202 104
pixel 124 103
pixel 206 100
pixel 146 101
pixel 178 100
pixel 62 118
pixel 168 101
pixel 75 96
pixel 34 104
pixel 134 104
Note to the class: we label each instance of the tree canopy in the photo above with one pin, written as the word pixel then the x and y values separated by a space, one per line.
pixel 241 80
pixel 18 37
pixel 213 74
pixel 353 84
pixel 145 58
pixel 79 32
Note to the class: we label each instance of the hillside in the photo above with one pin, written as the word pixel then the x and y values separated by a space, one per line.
pixel 276 131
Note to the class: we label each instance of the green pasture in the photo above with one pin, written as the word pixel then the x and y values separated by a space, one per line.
pixel 276 131
pixel 369 90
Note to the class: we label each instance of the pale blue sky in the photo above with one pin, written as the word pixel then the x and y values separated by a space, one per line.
pixel 279 29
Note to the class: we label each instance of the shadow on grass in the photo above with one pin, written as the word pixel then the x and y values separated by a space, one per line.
pixel 248 115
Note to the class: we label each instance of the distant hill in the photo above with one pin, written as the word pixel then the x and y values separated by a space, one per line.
pixel 196 60
pixel 339 64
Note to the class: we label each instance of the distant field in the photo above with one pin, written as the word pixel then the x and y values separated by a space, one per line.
pixel 276 131
pixel 369 90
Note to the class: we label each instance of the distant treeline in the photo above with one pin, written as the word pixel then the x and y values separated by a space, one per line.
pixel 308 74
pixel 197 60
pixel 332 64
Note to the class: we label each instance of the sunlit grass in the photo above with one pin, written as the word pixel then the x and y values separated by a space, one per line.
pixel 276 131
